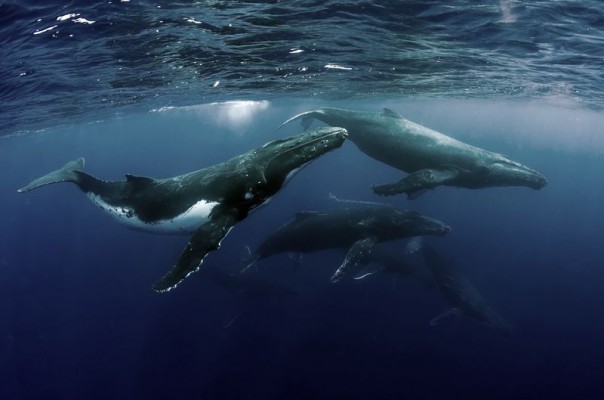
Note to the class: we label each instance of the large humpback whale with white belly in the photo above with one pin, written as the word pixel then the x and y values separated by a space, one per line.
pixel 430 158
pixel 207 202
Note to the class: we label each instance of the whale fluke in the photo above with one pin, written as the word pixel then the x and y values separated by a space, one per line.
pixel 67 173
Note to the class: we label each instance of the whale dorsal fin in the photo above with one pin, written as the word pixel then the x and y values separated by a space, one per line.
pixel 139 181
pixel 389 113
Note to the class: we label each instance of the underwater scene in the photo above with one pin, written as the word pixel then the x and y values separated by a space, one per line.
pixel 301 200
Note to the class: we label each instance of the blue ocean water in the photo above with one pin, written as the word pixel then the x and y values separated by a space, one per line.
pixel 159 89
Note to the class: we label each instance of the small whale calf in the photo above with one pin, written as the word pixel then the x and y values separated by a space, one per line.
pixel 207 202
pixel 430 158
pixel 354 229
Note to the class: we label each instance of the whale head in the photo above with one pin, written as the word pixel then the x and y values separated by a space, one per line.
pixel 421 225
pixel 397 223
pixel 287 156
pixel 511 173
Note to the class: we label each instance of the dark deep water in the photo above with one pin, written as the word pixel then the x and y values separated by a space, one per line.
pixel 79 318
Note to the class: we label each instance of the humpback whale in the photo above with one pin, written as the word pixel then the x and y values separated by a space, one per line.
pixel 461 294
pixel 207 202
pixel 430 158
pixel 356 229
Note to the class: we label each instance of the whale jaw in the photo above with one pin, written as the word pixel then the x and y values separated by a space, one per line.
pixel 287 156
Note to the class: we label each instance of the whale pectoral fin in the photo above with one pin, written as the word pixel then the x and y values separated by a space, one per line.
pixel 417 182
pixel 355 256
pixel 446 315
pixel 207 238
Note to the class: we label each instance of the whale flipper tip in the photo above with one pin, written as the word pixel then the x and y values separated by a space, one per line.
pixel 205 239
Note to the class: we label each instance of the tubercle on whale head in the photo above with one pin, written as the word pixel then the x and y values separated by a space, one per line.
pixel 412 221
pixel 511 173
pixel 430 226
pixel 539 182
pixel 290 154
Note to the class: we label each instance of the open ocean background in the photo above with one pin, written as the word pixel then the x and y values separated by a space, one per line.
pixel 163 88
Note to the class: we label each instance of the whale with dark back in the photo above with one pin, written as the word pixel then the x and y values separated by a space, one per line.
pixel 207 202
pixel 429 157
pixel 355 229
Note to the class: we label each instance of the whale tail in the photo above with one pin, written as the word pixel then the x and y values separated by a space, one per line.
pixel 67 173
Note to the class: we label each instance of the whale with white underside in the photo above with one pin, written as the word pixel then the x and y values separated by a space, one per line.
pixel 207 202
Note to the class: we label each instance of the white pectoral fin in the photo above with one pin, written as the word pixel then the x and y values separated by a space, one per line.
pixel 207 238
pixel 355 256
